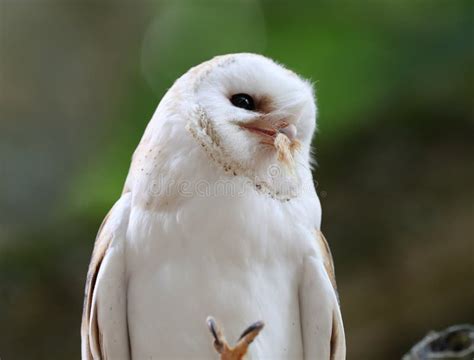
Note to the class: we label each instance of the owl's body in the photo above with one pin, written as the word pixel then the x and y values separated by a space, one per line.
pixel 203 229
pixel 251 272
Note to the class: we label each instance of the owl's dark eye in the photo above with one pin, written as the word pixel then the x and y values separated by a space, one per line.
pixel 243 101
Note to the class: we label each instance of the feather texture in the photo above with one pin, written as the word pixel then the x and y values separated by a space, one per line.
pixel 104 329
pixel 210 222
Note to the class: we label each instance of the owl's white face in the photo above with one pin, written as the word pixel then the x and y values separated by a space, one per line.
pixel 254 119
pixel 249 100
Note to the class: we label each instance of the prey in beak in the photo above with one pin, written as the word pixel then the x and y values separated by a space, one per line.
pixel 280 134
pixel 238 351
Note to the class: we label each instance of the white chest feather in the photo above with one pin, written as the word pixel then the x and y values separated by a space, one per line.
pixel 236 258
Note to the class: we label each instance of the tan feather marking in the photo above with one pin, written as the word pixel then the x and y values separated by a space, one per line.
pixel 264 105
pixel 199 128
pixel 285 150
pixel 100 248
pixel 329 267
pixel 334 338
pixel 327 257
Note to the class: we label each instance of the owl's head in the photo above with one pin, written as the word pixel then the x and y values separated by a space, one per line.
pixel 250 114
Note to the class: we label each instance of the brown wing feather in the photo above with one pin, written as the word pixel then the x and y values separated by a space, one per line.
pixel 101 245
pixel 338 346
pixel 327 257
pixel 337 333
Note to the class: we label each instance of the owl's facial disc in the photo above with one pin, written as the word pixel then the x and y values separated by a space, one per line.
pixel 254 114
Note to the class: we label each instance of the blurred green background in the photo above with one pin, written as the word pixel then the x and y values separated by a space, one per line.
pixel 80 79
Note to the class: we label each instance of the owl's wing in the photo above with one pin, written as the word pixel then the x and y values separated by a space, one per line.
pixel 321 321
pixel 104 331
pixel 328 262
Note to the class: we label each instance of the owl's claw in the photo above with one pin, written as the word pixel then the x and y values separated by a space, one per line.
pixel 238 352
pixel 219 341
pixel 251 332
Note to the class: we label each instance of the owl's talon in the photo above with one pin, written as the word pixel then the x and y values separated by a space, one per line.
pixel 253 329
pixel 211 323
pixel 238 352
pixel 220 342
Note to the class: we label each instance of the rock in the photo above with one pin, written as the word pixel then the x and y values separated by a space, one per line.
pixel 454 343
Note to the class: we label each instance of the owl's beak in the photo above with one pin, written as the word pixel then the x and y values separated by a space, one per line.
pixel 269 129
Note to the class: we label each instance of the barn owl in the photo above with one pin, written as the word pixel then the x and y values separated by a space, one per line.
pixel 218 216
